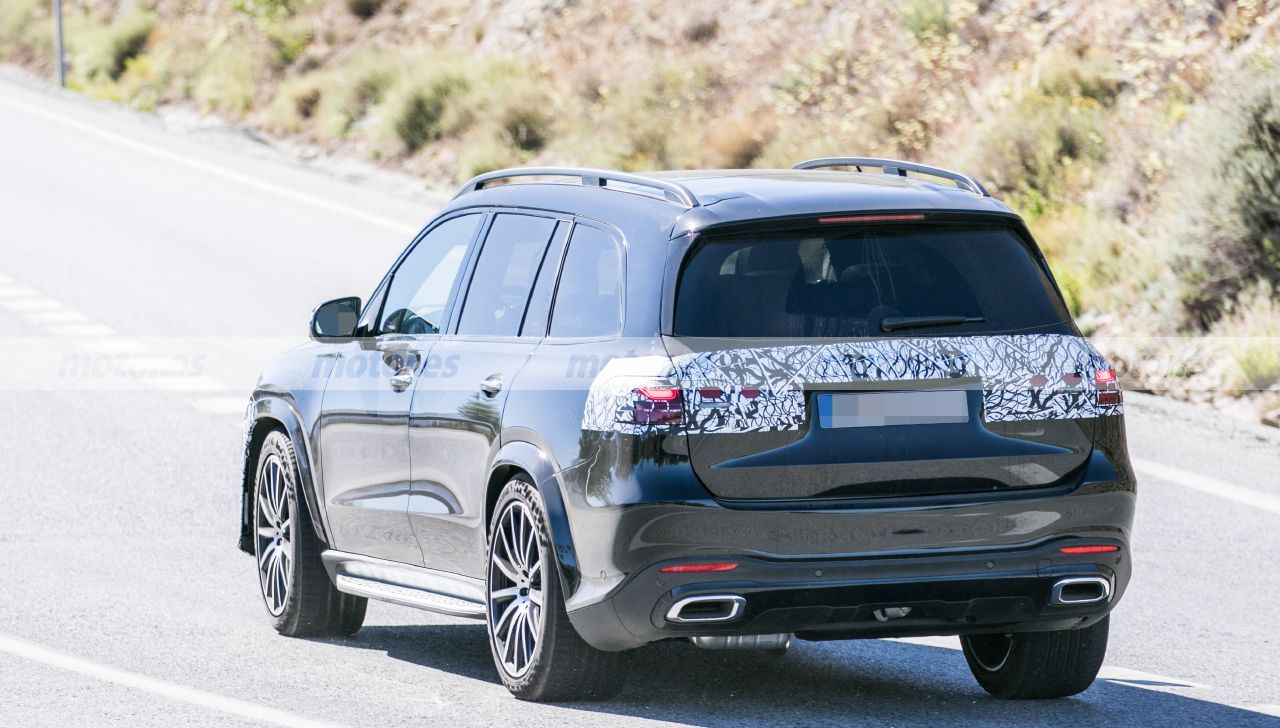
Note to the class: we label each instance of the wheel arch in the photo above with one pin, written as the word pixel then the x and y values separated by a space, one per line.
pixel 525 458
pixel 267 414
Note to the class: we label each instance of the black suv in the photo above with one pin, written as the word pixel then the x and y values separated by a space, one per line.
pixel 598 410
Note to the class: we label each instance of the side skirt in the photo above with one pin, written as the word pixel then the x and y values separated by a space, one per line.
pixel 409 586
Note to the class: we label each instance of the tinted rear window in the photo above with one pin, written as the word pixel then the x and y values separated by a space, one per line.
pixel 846 282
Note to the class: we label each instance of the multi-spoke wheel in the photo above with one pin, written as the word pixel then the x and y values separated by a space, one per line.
pixel 515 589
pixel 273 518
pixel 1037 665
pixel 291 576
pixel 538 653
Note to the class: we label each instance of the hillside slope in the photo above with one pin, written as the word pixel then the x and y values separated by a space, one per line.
pixel 1140 139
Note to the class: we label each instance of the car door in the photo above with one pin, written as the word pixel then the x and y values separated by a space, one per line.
pixel 456 417
pixel 364 421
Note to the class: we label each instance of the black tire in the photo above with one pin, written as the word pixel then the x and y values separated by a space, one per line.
pixel 561 666
pixel 1037 665
pixel 310 605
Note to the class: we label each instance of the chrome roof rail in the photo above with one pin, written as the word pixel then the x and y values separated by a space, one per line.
pixel 672 191
pixel 894 166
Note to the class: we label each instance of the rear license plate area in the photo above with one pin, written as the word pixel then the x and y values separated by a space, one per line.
pixel 885 409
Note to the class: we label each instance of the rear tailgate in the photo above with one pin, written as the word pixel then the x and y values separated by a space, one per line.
pixel 892 361
pixel 901 417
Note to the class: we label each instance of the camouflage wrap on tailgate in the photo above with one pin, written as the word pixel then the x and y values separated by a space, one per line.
pixel 1024 377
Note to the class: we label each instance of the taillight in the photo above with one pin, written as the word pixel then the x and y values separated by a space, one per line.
pixel 1099 549
pixel 1109 393
pixel 657 405
pixel 698 568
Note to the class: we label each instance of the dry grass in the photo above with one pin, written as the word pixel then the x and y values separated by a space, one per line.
pixel 1252 329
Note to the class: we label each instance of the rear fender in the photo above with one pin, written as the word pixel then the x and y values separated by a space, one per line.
pixel 533 460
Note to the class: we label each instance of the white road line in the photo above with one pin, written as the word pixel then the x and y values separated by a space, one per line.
pixel 1212 486
pixel 1147 680
pixel 173 691
pixel 209 168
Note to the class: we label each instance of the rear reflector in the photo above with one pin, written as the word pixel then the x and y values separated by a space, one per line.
pixel 869 218
pixel 698 568
pixel 750 392
pixel 1100 549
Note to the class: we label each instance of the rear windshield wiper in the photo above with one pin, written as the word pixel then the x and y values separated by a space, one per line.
pixel 893 323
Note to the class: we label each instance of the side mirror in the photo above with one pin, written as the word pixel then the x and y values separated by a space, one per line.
pixel 336 319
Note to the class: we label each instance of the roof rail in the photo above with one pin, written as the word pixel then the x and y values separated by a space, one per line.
pixel 894 166
pixel 589 178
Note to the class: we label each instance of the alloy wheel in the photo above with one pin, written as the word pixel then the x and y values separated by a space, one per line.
pixel 273 518
pixel 515 589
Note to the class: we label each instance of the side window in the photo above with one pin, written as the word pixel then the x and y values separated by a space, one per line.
pixel 539 311
pixel 589 297
pixel 504 274
pixel 419 292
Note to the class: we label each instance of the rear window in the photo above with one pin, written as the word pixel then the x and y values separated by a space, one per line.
pixel 866 281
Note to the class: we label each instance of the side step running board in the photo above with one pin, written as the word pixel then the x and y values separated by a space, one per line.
pixel 408 597
pixel 406 585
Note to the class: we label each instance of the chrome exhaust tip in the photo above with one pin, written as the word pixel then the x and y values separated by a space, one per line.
pixel 743 642
pixel 1079 590
pixel 704 609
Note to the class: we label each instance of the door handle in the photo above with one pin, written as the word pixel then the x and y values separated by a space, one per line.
pixel 401 380
pixel 491 385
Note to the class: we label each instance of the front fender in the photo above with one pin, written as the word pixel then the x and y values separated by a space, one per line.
pixel 269 411
pixel 526 456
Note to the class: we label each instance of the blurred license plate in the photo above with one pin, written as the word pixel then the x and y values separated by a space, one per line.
pixel 879 409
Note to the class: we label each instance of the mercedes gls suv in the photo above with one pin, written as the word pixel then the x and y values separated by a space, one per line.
pixel 598 410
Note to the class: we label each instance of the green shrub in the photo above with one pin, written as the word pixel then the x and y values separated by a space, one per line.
pixel 228 79
pixel 1252 329
pixel 484 152
pixel 24 29
pixel 267 9
pixel 99 53
pixel 1071 76
pixel 515 101
pixel 1099 264
pixel 652 122
pixel 290 38
pixel 364 9
pixel 1028 152
pixel 924 18
pixel 418 112
pixel 1229 232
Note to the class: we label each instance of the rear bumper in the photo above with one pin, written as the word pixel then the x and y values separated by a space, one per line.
pixel 1007 590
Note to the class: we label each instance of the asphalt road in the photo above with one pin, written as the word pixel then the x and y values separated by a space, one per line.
pixel 145 276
